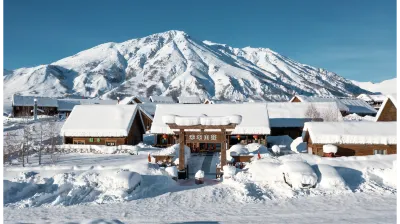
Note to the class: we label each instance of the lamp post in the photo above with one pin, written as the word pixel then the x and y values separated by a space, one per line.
pixel 35 109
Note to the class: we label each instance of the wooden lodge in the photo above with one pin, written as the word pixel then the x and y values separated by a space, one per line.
pixel 109 125
pixel 351 138
pixel 388 110
pixel 22 106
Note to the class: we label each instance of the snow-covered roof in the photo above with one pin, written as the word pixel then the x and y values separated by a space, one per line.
pixel 315 99
pixel 391 97
pixel 68 104
pixel 358 106
pixel 362 132
pixel 189 99
pixel 18 100
pixel 372 98
pixel 161 99
pixel 286 114
pixel 130 99
pixel 148 108
pixel 254 117
pixel 99 120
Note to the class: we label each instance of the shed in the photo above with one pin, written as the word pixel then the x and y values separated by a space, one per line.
pixel 351 138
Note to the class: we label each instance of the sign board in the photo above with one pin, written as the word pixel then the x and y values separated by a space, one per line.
pixel 203 137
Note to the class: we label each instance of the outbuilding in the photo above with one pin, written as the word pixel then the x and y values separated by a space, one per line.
pixel 109 125
pixel 351 138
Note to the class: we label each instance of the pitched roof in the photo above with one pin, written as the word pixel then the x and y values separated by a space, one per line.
pixel 100 120
pixel 18 100
pixel 286 114
pixel 189 99
pixel 390 97
pixel 362 132
pixel 254 117
pixel 130 99
pixel 68 104
pixel 358 106
pixel 315 99
pixel 162 99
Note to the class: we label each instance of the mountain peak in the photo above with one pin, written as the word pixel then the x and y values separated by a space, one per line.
pixel 167 63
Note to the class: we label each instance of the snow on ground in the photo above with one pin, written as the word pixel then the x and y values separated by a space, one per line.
pixel 256 193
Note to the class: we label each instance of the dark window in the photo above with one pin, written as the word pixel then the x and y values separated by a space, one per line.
pixel 110 143
pixel 379 151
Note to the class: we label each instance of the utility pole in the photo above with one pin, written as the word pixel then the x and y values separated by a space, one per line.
pixel 41 144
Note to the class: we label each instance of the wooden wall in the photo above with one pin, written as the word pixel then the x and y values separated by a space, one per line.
pixel 388 112
pixel 146 121
pixel 23 111
pixel 135 136
pixel 354 150
pixel 293 132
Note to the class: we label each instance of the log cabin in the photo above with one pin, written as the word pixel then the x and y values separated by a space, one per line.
pixel 351 138
pixel 22 106
pixel 109 125
pixel 388 110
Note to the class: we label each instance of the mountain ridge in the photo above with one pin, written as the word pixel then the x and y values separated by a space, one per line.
pixel 176 64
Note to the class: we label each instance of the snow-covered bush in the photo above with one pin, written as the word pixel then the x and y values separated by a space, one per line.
pixel 229 171
pixel 275 149
pixel 329 149
pixel 298 145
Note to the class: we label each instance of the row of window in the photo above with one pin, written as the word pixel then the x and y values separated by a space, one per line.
pixel 82 142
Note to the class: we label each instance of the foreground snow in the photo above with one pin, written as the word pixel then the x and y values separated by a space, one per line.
pixel 208 205
pixel 99 187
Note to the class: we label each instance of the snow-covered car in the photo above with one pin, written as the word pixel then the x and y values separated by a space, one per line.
pixel 329 178
pixel 299 174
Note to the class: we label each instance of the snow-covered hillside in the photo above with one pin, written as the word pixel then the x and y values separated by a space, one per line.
pixel 385 87
pixel 174 63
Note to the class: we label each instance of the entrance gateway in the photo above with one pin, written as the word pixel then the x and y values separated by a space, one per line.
pixel 212 130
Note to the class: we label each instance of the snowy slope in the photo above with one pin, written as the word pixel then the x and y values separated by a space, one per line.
pixel 175 64
pixel 385 87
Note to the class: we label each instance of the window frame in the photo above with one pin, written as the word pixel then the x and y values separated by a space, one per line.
pixel 384 152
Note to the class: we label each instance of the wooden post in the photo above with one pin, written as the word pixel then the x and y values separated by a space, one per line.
pixel 181 150
pixel 223 149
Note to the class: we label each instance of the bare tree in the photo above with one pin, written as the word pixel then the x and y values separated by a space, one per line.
pixel 26 143
pixel 10 147
pixel 313 113
pixel 330 114
pixel 52 135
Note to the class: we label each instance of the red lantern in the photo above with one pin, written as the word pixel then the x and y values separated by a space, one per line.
pixel 238 137
pixel 255 137
pixel 164 136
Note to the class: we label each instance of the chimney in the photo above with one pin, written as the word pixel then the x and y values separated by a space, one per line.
pixel 118 99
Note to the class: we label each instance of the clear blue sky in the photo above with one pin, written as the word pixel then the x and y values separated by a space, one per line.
pixel 354 38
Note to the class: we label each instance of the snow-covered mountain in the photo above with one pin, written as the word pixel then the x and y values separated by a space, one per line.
pixel 385 87
pixel 174 63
